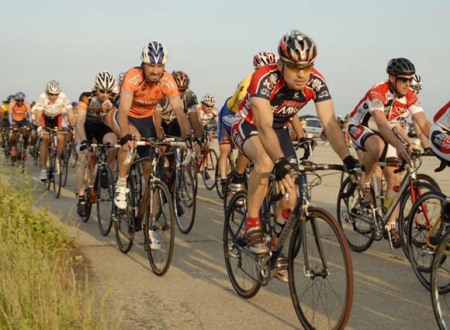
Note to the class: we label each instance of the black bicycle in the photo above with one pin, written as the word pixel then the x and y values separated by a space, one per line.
pixel 320 272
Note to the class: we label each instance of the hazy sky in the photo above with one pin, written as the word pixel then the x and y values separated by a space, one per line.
pixel 214 42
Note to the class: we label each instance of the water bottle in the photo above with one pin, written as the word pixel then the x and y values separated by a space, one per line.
pixel 390 196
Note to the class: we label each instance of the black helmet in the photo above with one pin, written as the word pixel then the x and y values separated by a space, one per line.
pixel 399 66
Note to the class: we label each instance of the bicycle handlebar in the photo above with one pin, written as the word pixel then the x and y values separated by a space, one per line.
pixel 169 142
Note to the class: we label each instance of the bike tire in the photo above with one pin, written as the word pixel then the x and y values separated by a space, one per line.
pixel 185 199
pixel 358 232
pixel 124 220
pixel 440 283
pixel 105 199
pixel 208 169
pixel 328 267
pixel 241 267
pixel 87 195
pixel 425 212
pixel 159 217
pixel 406 203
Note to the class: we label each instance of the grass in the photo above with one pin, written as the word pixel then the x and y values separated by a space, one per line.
pixel 39 288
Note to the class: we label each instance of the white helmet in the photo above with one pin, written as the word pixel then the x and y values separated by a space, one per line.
pixel 105 81
pixel 209 100
pixel 120 78
pixel 416 83
pixel 154 53
pixel 53 87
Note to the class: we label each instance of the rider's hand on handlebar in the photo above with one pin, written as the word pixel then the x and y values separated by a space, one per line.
pixel 352 166
pixel 403 153
pixel 282 171
pixel 126 142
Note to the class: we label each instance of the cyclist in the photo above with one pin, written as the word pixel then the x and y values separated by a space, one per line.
pixel 208 110
pixel 440 136
pixel 4 118
pixel 226 117
pixel 374 127
pixel 142 88
pixel 416 84
pixel 19 117
pixel 190 106
pixel 49 110
pixel 275 95
pixel 91 111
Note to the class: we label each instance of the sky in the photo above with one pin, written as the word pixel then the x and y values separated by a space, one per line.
pixel 214 42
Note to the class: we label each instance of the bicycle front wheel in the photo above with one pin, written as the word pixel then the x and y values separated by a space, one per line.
pixel 159 228
pixel 354 217
pixel 65 156
pixel 184 199
pixel 208 169
pixel 241 266
pixel 424 233
pixel 124 225
pixel 440 283
pixel 321 274
pixel 105 199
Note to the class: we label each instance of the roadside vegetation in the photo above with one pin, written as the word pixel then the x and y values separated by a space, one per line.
pixel 41 284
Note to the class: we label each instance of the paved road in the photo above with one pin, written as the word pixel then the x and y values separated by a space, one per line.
pixel 196 292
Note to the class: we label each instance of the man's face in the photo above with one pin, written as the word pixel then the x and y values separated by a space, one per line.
pixel 401 83
pixel 153 72
pixel 296 77
pixel 52 97
pixel 102 95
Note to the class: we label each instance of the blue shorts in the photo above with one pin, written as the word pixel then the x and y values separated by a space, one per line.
pixel 226 118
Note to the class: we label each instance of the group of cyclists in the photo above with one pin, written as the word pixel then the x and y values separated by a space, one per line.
pixel 149 102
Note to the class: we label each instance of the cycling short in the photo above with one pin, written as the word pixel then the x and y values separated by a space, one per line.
pixel 20 123
pixel 52 122
pixel 146 129
pixel 96 131
pixel 226 119
pixel 440 142
pixel 171 128
pixel 360 133
pixel 242 130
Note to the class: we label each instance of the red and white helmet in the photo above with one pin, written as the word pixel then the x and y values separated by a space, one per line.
pixel 154 53
pixel 264 58
pixel 297 48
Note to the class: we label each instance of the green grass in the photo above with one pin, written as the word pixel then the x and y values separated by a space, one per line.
pixel 39 288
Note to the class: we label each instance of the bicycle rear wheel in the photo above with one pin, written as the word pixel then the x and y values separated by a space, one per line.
pixel 105 199
pixel 241 266
pixel 321 275
pixel 184 199
pixel 208 169
pixel 219 187
pixel 440 283
pixel 424 216
pixel 159 227
pixel 354 218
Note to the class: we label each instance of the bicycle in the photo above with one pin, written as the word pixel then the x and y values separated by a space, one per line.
pixel 364 222
pixel 424 233
pixel 100 186
pixel 54 177
pixel 320 272
pixel 205 164
pixel 154 206
pixel 181 185
pixel 67 156
pixel 20 146
pixel 440 272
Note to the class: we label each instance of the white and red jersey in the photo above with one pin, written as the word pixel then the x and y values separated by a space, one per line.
pixel 61 105
pixel 268 83
pixel 442 117
pixel 381 97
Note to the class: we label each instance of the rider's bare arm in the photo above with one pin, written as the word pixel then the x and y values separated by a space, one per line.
pixel 262 111
pixel 177 107
pixel 325 112
pixel 126 99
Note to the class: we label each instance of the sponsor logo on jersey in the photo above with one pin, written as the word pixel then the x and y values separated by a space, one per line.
pixel 441 141
pixel 356 131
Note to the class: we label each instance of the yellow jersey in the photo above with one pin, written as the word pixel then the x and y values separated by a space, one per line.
pixel 4 109
pixel 239 94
